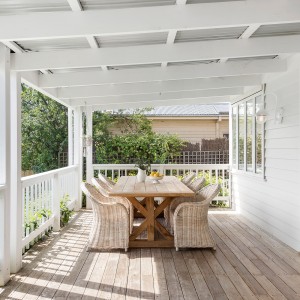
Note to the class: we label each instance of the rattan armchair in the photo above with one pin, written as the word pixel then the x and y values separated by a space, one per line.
pixel 104 190
pixel 191 228
pixel 195 186
pixel 110 228
pixel 106 180
pixel 188 178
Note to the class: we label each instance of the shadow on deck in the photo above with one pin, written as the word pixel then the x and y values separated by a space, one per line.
pixel 248 264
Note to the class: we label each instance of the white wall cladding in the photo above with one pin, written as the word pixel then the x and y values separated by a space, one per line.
pixel 274 204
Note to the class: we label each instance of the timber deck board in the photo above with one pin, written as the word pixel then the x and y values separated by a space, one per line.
pixel 248 264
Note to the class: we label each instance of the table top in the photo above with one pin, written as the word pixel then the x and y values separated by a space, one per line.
pixel 169 186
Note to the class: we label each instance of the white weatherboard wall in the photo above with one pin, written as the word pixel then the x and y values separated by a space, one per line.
pixel 274 204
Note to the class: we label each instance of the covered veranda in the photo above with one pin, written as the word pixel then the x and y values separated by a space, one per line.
pixel 97 55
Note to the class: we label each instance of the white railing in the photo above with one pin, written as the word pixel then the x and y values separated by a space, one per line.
pixel 41 195
pixel 218 173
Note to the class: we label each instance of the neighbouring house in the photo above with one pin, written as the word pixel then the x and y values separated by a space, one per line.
pixel 192 122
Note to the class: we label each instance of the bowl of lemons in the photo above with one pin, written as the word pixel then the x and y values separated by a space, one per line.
pixel 156 176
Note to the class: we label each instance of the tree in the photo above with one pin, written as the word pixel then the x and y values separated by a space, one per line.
pixel 122 137
pixel 44 131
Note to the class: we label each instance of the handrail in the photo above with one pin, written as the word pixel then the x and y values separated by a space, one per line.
pixel 28 180
pixel 178 166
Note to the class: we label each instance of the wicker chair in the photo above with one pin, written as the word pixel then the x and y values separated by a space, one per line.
pixel 191 228
pixel 106 180
pixel 188 178
pixel 195 186
pixel 110 229
pixel 104 189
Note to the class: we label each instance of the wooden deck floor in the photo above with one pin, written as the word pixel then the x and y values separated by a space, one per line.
pixel 248 264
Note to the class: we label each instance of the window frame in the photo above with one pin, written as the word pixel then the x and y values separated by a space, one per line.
pixel 236 166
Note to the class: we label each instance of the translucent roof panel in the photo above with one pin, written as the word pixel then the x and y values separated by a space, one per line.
pixel 108 4
pixel 195 62
pixel 132 39
pixel 209 34
pixel 63 71
pixel 127 67
pixel 207 1
pixel 277 29
pixel 27 6
pixel 54 44
pixel 252 58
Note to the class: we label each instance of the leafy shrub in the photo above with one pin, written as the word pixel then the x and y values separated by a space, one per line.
pixel 65 212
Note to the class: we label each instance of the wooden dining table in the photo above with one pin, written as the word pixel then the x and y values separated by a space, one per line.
pixel 167 189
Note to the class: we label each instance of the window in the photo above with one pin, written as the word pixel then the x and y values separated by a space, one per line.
pixel 247 136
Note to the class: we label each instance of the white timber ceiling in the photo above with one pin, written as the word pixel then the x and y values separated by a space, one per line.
pixel 133 53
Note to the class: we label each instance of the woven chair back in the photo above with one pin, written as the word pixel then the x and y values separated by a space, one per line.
pixel 101 186
pixel 106 180
pixel 208 193
pixel 197 184
pixel 188 178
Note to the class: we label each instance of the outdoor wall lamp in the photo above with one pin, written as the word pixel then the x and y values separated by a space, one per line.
pixel 262 114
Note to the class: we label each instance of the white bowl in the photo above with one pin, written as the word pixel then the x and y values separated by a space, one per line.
pixel 156 178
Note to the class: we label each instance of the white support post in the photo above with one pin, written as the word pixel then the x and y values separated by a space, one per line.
pixel 16 188
pixel 70 138
pixel 78 153
pixel 56 203
pixel 89 151
pixel 4 165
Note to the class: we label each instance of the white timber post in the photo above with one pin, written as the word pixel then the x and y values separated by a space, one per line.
pixel 78 161
pixel 70 138
pixel 89 151
pixel 4 164
pixel 16 208
pixel 56 202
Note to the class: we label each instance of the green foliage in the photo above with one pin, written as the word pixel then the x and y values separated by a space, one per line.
pixel 33 221
pixel 65 212
pixel 44 131
pixel 121 138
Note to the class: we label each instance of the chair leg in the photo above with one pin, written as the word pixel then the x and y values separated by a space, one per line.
pixel 177 249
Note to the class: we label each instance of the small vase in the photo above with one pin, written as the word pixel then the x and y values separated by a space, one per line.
pixel 141 175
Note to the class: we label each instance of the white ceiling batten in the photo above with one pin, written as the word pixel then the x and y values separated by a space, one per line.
pixel 152 98
pixel 17 49
pixel 148 19
pixel 155 87
pixel 245 35
pixel 162 74
pixel 146 104
pixel 77 6
pixel 156 53
pixel 172 33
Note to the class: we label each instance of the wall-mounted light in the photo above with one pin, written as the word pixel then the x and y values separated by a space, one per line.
pixel 262 114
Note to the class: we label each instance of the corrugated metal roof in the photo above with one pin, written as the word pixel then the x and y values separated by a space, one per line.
pixel 207 1
pixel 190 110
pixel 209 34
pixel 108 4
pixel 132 39
pixel 195 62
pixel 127 67
pixel 252 58
pixel 27 6
pixel 277 29
pixel 63 71
pixel 54 44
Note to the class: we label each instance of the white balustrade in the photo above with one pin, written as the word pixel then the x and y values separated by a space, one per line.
pixel 41 195
pixel 217 173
